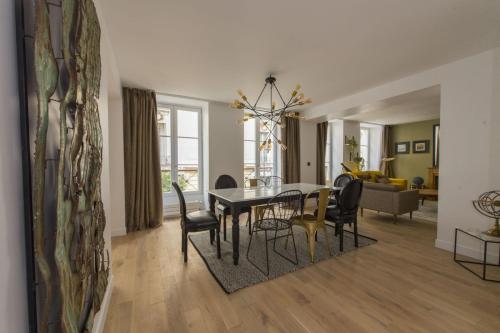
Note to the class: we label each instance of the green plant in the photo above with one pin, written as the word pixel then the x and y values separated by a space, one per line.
pixel 166 181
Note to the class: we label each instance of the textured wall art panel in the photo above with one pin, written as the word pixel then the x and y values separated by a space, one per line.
pixel 62 73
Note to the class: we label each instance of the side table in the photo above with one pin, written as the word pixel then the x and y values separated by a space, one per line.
pixel 485 239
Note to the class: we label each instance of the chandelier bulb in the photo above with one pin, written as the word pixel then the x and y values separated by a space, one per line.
pixel 240 92
pixel 298 86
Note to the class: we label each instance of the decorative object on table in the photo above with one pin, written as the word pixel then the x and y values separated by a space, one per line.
pixel 417 183
pixel 272 116
pixel 402 147
pixel 488 204
pixel 60 70
pixel 435 145
pixel 232 278
pixel 421 146
pixel 485 240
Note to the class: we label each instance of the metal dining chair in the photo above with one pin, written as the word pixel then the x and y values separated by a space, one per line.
pixel 312 223
pixel 277 216
pixel 226 181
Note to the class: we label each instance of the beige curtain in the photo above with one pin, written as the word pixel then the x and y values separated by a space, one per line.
pixel 321 137
pixel 386 167
pixel 143 193
pixel 290 158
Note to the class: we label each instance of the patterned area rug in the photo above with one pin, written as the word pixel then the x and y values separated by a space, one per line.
pixel 231 278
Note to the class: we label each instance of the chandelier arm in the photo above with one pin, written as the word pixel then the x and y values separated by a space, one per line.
pixel 260 95
pixel 281 97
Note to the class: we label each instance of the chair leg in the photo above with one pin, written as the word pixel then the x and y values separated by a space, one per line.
pixel 356 233
pixel 212 237
pixel 267 253
pixel 312 237
pixel 341 235
pixel 224 231
pixel 182 241
pixel 411 215
pixel 361 210
pixel 217 236
pixel 294 246
pixel 395 218
pixel 250 221
pixel 185 248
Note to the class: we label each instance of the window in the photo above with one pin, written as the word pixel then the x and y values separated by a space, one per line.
pixel 259 163
pixel 364 146
pixel 328 161
pixel 179 128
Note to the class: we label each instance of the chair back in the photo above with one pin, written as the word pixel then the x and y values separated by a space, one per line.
pixel 350 196
pixel 342 180
pixel 322 202
pixel 225 181
pixel 182 201
pixel 254 182
pixel 273 181
pixel 285 205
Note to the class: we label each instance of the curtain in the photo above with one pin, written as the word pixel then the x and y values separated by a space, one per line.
pixel 386 166
pixel 321 138
pixel 290 158
pixel 143 193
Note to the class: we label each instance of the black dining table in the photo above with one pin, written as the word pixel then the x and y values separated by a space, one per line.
pixel 238 198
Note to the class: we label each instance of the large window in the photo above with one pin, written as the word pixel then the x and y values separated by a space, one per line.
pixel 364 146
pixel 259 163
pixel 179 129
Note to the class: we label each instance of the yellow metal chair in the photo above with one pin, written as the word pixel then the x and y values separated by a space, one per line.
pixel 312 223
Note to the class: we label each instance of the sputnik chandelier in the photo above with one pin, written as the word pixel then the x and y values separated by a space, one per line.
pixel 271 117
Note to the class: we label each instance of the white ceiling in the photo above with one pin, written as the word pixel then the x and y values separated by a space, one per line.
pixel 208 49
pixel 416 106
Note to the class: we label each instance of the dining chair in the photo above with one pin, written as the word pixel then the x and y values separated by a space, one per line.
pixel 277 216
pixel 341 181
pixel 346 210
pixel 273 180
pixel 201 220
pixel 312 223
pixel 226 181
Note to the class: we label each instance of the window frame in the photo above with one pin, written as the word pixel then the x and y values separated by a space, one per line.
pixel 368 131
pixel 174 108
pixel 276 154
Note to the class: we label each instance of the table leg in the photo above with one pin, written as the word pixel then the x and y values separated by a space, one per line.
pixel 235 213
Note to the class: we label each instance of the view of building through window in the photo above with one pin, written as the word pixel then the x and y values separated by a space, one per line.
pixel 259 163
pixel 179 131
pixel 364 146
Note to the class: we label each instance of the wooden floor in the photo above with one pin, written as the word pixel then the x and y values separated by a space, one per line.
pixel 400 284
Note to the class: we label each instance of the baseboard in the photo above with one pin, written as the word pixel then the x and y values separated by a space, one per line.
pixel 475 253
pixel 118 232
pixel 100 317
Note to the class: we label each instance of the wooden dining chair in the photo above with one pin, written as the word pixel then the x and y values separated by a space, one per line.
pixel 312 223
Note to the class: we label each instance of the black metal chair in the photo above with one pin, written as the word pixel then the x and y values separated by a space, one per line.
pixel 346 210
pixel 277 216
pixel 226 181
pixel 201 220
pixel 273 180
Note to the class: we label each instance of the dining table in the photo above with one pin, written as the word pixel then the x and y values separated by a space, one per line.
pixel 239 198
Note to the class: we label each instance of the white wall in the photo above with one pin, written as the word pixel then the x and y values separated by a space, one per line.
pixel 308 134
pixel 13 285
pixel 469 134
pixel 225 143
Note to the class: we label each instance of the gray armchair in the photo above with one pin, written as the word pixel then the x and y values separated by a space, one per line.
pixel 388 198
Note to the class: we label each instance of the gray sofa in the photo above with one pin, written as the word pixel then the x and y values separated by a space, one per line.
pixel 388 198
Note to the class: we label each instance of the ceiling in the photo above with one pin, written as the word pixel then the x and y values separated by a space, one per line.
pixel 415 106
pixel 209 49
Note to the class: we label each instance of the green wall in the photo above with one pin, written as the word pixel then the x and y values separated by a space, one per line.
pixel 411 165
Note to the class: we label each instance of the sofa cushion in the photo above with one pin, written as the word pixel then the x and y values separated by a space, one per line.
pixel 382 187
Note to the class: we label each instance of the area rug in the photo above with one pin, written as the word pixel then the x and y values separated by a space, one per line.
pixel 232 278
pixel 428 211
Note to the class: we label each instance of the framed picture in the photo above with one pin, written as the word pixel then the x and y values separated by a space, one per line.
pixel 402 147
pixel 421 146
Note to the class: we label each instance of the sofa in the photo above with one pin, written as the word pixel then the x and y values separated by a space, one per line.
pixel 374 176
pixel 388 198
